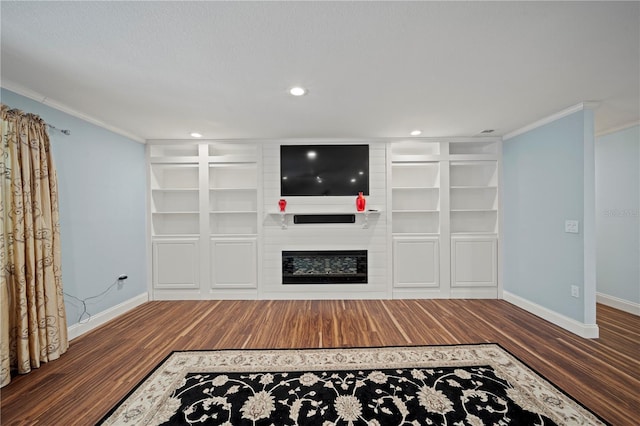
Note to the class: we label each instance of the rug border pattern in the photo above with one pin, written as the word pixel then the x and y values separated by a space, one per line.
pixel 139 405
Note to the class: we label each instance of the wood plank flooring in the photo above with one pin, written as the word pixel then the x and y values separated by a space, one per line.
pixel 102 366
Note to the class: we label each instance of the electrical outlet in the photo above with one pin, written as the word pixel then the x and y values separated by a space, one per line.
pixel 575 291
pixel 121 280
pixel 571 226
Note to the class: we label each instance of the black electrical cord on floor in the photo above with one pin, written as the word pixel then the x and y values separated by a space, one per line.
pixel 84 302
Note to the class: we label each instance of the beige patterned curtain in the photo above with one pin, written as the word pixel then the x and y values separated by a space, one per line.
pixel 34 324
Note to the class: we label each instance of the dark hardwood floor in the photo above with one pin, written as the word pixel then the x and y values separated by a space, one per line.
pixel 102 366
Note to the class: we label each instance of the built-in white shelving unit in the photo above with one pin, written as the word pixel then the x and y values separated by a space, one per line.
pixel 474 197
pixel 432 222
pixel 174 199
pixel 416 214
pixel 204 218
pixel 445 215
pixel 415 188
pixel 474 218
pixel 233 198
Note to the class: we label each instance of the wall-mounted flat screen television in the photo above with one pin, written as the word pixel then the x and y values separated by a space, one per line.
pixel 324 170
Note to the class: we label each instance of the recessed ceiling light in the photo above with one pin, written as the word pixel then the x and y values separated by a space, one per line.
pixel 488 131
pixel 416 133
pixel 297 91
pixel 195 135
pixel 311 155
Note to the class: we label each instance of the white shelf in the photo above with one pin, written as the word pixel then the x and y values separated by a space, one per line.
pixel 416 234
pixel 233 189
pixel 173 160
pixel 175 190
pixel 415 188
pixel 487 233
pixel 231 235
pixel 473 210
pixel 290 213
pixel 474 187
pixel 415 211
pixel 233 211
pixel 231 159
pixel 177 212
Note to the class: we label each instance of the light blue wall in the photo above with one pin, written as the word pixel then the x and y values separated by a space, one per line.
pixel 543 185
pixel 618 214
pixel 102 189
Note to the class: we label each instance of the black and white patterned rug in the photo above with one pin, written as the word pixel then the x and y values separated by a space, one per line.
pixel 428 385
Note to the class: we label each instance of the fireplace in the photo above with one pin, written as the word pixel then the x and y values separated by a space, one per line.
pixel 324 267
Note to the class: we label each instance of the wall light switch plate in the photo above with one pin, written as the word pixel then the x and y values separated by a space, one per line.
pixel 575 291
pixel 571 226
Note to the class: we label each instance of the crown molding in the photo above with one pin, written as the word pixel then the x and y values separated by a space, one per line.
pixel 618 128
pixel 551 118
pixel 31 94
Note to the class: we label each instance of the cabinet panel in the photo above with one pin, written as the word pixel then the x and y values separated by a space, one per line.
pixel 474 262
pixel 175 264
pixel 416 262
pixel 233 263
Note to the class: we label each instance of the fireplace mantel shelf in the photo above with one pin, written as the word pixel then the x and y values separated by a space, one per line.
pixel 291 212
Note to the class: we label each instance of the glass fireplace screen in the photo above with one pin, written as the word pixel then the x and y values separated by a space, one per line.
pixel 324 267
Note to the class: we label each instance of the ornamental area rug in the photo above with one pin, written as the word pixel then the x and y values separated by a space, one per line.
pixel 428 385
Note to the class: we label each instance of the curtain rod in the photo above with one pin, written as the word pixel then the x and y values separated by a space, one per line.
pixel 65 131
pixel 51 126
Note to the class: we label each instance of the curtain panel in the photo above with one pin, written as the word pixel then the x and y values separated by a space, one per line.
pixel 33 326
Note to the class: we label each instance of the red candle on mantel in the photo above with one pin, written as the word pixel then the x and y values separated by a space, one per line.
pixel 283 204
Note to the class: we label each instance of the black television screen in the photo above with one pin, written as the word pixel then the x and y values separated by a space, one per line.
pixel 324 170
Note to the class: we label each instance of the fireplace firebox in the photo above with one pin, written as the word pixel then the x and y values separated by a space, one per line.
pixel 324 267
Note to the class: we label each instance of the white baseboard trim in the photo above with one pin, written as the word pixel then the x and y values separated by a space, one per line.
pixel 616 302
pixel 77 330
pixel 588 331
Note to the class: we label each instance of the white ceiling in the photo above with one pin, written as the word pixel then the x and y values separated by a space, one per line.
pixel 160 70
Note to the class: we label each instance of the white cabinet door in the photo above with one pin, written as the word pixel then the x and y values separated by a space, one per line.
pixel 175 264
pixel 233 263
pixel 416 262
pixel 474 261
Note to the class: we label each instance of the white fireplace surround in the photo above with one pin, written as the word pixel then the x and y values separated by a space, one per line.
pixel 369 232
